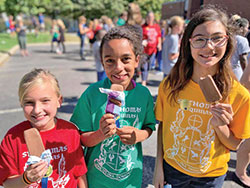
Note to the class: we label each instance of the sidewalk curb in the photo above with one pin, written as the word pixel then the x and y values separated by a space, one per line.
pixel 5 56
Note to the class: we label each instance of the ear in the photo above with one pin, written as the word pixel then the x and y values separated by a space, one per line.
pixel 60 100
pixel 137 61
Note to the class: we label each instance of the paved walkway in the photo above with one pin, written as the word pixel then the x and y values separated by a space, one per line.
pixel 82 74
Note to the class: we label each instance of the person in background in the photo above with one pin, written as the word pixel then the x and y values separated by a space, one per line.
pixel 82 30
pixel 6 21
pixel 171 43
pixel 239 58
pixel 163 24
pixel 21 36
pixel 195 136
pixel 243 153
pixel 107 23
pixel 122 19
pixel 152 43
pixel 41 22
pixel 61 38
pixel 135 18
pixel 55 36
pixel 101 75
pixel 35 24
pixel 12 25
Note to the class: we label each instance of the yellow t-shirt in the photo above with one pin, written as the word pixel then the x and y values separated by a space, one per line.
pixel 190 143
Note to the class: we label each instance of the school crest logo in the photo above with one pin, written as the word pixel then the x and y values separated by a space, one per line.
pixel 115 159
pixel 191 145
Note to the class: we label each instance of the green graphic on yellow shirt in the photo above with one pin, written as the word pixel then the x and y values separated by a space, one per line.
pixel 185 104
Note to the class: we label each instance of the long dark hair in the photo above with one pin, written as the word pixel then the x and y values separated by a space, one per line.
pixel 182 72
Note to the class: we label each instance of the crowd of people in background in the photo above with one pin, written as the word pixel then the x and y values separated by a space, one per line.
pixel 161 38
pixel 162 42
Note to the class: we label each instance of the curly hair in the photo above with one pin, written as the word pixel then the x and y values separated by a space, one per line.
pixel 130 32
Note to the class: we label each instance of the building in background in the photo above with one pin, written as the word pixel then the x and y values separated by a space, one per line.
pixel 186 8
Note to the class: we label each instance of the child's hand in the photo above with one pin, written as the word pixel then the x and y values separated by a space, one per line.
pixel 222 114
pixel 35 172
pixel 107 125
pixel 128 134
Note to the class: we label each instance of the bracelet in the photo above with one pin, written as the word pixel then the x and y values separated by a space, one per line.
pixel 26 180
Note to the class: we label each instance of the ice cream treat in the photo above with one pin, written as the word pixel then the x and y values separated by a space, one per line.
pixel 112 99
pixel 209 89
pixel 34 142
pixel 116 99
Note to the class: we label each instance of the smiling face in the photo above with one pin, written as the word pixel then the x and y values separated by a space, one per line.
pixel 206 59
pixel 119 62
pixel 40 106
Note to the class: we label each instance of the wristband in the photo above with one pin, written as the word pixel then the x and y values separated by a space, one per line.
pixel 26 180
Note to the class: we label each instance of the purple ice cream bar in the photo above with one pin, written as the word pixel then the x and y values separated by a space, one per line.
pixel 111 107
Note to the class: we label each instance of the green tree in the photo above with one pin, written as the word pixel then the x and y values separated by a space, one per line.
pixel 14 7
pixel 151 5
pixel 33 7
pixel 2 6
pixel 74 8
pixel 96 8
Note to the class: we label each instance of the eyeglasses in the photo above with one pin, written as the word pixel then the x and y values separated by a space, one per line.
pixel 200 41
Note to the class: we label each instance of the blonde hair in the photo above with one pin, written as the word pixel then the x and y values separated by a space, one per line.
pixel 82 19
pixel 173 21
pixel 60 23
pixel 176 20
pixel 36 77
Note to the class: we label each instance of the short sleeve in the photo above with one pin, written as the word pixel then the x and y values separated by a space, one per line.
pixel 8 166
pixel 173 44
pixel 79 166
pixel 81 116
pixel 159 103
pixel 159 30
pixel 243 46
pixel 240 125
pixel 149 121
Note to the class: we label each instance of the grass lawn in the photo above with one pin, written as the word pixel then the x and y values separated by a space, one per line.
pixel 7 41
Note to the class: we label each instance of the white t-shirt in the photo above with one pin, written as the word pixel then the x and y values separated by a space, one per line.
pixel 242 46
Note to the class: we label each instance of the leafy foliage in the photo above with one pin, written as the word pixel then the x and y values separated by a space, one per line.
pixel 74 8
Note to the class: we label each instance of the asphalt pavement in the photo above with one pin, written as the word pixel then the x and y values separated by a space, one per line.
pixel 74 77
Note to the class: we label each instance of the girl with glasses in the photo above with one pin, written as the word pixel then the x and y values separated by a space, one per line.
pixel 194 136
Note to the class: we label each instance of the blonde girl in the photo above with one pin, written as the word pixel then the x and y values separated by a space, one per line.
pixel 61 38
pixel 171 44
pixel 39 96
